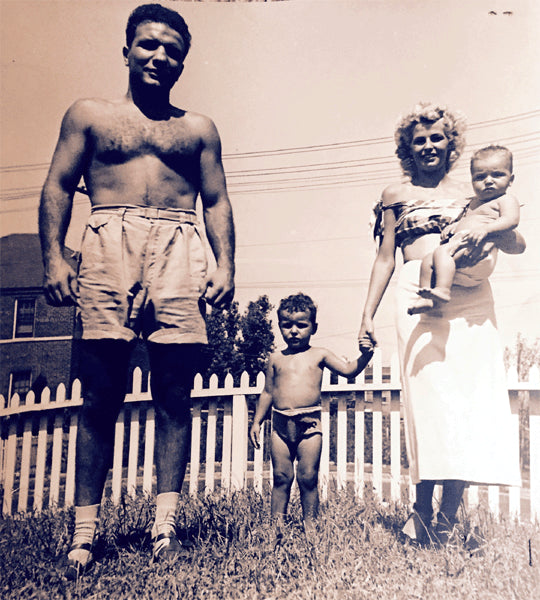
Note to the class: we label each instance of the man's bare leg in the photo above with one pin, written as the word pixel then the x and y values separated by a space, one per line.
pixel 103 369
pixel 173 367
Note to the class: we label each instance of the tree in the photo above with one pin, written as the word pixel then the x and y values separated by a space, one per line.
pixel 524 355
pixel 238 343
pixel 223 327
pixel 257 341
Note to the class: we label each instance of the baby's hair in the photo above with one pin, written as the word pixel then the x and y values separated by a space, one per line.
pixel 156 13
pixel 428 113
pixel 493 149
pixel 298 303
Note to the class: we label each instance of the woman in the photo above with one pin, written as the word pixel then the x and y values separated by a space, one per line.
pixel 457 412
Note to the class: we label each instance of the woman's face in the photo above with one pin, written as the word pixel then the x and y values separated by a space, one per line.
pixel 429 146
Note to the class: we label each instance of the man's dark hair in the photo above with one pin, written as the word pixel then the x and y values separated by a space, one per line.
pixel 298 303
pixel 155 13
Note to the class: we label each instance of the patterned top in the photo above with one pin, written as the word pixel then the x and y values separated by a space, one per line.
pixel 418 217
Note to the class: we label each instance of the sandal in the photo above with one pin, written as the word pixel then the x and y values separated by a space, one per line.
pixel 166 547
pixel 76 568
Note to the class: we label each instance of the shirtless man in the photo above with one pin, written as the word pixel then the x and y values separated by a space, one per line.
pixel 143 263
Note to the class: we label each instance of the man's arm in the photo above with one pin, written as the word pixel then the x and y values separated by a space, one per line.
pixel 56 204
pixel 219 285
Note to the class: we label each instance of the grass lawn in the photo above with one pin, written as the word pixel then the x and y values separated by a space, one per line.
pixel 233 554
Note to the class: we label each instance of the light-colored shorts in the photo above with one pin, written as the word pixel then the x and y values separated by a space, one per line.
pixel 293 426
pixel 140 273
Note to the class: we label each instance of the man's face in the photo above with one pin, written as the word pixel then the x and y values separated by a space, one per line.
pixel 156 55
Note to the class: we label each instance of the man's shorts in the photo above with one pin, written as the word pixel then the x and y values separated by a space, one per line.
pixel 140 272
pixel 293 426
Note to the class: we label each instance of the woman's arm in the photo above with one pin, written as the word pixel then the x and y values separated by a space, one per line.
pixel 510 242
pixel 381 272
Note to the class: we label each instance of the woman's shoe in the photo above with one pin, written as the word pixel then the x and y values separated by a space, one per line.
pixel 417 528
pixel 446 532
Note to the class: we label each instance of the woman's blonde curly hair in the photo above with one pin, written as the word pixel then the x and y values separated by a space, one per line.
pixel 427 112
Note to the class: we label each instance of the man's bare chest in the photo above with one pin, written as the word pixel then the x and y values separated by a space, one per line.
pixel 118 138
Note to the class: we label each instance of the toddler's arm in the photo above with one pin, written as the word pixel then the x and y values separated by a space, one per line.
pixel 263 404
pixel 348 368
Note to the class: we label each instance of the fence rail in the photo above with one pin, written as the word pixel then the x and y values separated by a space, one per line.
pixel 363 445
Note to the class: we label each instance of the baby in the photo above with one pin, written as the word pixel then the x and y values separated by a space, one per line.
pixel 292 388
pixel 490 212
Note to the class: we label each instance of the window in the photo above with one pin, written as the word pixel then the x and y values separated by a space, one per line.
pixel 20 384
pixel 24 323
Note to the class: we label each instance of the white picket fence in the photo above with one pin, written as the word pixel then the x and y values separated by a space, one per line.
pixel 362 443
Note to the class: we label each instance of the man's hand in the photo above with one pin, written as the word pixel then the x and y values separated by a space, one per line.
pixel 60 284
pixel 218 288
pixel 254 435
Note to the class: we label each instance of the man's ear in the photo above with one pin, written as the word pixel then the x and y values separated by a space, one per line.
pixel 511 180
pixel 179 72
pixel 315 327
pixel 125 51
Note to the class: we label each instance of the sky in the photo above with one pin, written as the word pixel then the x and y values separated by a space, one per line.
pixel 305 95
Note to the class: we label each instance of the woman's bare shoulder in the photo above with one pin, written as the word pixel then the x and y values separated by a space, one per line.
pixel 394 193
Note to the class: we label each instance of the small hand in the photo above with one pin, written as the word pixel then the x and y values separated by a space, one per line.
pixel 218 288
pixel 448 232
pixel 254 435
pixel 366 337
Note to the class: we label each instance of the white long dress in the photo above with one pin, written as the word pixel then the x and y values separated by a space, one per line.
pixel 457 411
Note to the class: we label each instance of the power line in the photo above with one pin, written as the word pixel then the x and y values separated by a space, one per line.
pixel 315 147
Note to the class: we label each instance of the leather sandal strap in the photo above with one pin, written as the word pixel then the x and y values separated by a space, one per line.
pixel 83 546
pixel 167 535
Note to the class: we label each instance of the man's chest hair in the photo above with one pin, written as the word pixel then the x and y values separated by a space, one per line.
pixel 118 137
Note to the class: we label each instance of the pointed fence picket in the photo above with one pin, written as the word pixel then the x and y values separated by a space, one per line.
pixel 362 448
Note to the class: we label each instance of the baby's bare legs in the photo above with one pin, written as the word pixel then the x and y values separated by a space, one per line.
pixel 307 475
pixel 426 271
pixel 423 304
pixel 283 469
pixel 444 269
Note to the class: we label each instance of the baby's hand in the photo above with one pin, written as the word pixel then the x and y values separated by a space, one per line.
pixel 448 232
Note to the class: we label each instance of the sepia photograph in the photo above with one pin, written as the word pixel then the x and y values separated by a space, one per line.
pixel 207 207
